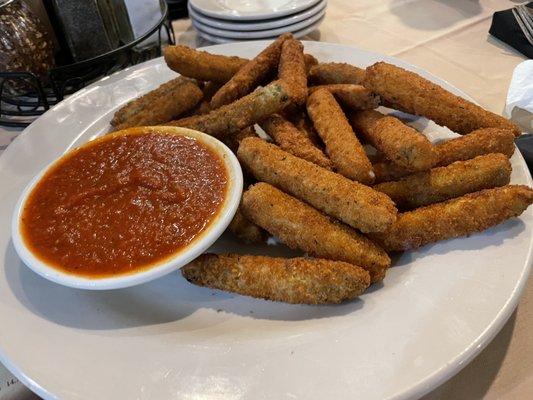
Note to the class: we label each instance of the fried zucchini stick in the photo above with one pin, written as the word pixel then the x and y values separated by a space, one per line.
pixel 202 65
pixel 294 141
pixel 245 230
pixel 240 114
pixel 454 180
pixel 251 74
pixel 477 143
pixel 291 70
pixel 353 97
pixel 209 89
pixel 158 106
pixel 386 171
pixel 300 226
pixel 205 66
pixel 342 146
pixel 305 125
pixel 462 216
pixel 291 280
pixel 398 142
pixel 409 92
pixel 332 73
pixel 233 141
pixel 310 62
pixel 351 202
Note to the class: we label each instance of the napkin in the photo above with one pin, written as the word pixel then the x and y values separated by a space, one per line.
pixel 505 28
pixel 519 104
pixel 519 107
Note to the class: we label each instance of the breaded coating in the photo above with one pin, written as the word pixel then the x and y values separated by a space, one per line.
pixel 300 226
pixel 353 97
pixel 304 124
pixel 462 216
pixel 386 171
pixel 411 93
pixel 292 70
pixel 168 101
pixel 454 180
pixel 291 280
pixel 294 141
pixel 479 142
pixel 332 73
pixel 209 89
pixel 246 111
pixel 233 141
pixel 245 230
pixel 310 62
pixel 342 146
pixel 351 202
pixel 398 142
pixel 202 65
pixel 251 74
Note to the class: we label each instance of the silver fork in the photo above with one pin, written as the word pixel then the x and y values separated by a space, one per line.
pixel 524 18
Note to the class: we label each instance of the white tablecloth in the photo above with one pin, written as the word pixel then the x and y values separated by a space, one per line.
pixel 450 39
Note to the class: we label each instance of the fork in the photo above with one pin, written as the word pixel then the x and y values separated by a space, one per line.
pixel 524 19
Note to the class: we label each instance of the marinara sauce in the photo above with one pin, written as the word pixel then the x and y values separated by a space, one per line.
pixel 120 205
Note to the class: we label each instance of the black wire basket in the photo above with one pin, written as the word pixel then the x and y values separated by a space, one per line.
pixel 21 109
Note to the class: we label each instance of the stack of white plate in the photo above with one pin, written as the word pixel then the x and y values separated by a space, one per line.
pixel 223 21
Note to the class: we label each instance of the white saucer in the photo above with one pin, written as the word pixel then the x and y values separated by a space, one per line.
pixel 268 33
pixel 221 39
pixel 250 10
pixel 256 25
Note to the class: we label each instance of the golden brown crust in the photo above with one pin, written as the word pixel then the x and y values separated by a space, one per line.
pixel 168 101
pixel 245 230
pixel 342 146
pixel 398 142
pixel 250 75
pixel 351 202
pixel 479 142
pixel 409 92
pixel 443 183
pixel 294 141
pixel 292 70
pixel 353 97
pixel 462 216
pixel 332 73
pixel 300 226
pixel 233 141
pixel 246 111
pixel 386 171
pixel 202 65
pixel 310 62
pixel 291 280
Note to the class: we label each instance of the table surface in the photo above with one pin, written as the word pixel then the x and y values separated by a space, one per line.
pixel 450 39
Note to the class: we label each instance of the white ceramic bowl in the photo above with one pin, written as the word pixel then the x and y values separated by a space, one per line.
pixel 201 243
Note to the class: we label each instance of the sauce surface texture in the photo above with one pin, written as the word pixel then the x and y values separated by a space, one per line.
pixel 123 204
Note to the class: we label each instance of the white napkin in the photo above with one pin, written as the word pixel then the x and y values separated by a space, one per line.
pixel 519 106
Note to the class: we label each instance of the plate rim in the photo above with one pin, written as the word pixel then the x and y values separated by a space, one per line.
pixel 262 25
pixel 219 40
pixel 429 382
pixel 266 33
pixel 252 16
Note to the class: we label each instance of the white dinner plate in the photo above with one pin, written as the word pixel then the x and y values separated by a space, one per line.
pixel 257 25
pixel 268 33
pixel 436 309
pixel 220 39
pixel 248 10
